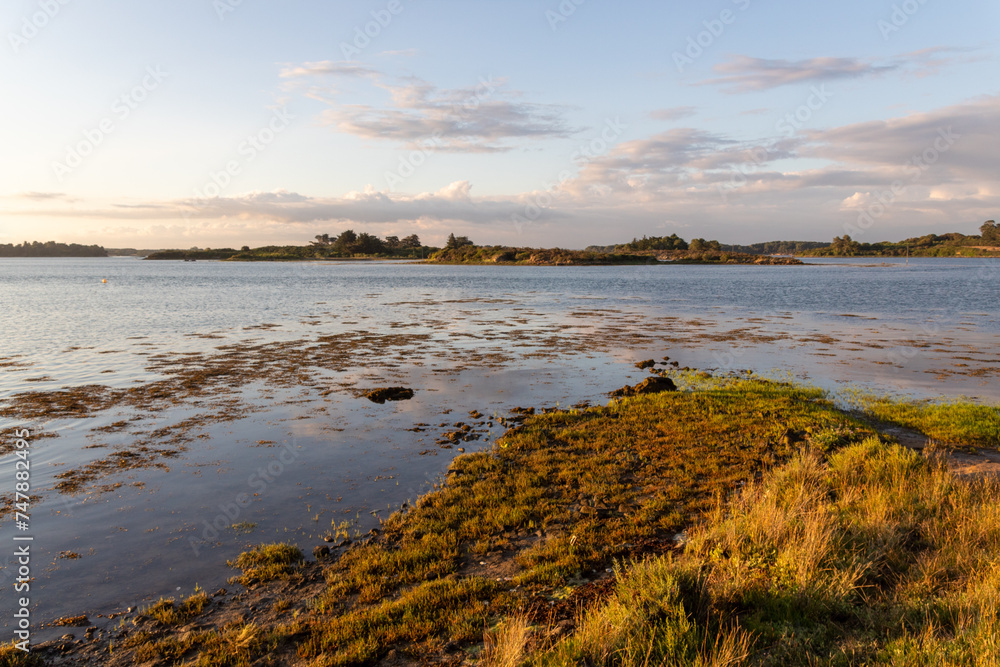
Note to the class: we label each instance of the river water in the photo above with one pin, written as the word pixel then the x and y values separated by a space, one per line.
pixel 265 436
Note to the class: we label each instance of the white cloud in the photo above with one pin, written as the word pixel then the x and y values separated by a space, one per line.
pixel 482 118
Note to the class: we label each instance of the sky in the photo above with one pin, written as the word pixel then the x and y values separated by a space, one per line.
pixel 223 123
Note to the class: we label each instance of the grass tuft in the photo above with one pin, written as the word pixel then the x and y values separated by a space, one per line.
pixel 11 656
pixel 266 562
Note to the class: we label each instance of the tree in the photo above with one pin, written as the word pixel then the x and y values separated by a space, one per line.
pixel 321 239
pixel 368 244
pixel 990 233
pixel 845 246
pixel 392 242
pixel 345 242
pixel 698 245
pixel 411 241
pixel 457 242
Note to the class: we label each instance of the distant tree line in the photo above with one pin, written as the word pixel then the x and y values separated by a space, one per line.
pixel 780 247
pixel 351 243
pixel 51 249
pixel 672 242
pixel 929 245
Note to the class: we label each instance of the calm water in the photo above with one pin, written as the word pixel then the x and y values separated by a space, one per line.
pixel 484 338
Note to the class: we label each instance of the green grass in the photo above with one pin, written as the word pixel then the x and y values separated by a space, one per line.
pixel 167 612
pixel 951 423
pixel 266 562
pixel 810 542
pixel 593 481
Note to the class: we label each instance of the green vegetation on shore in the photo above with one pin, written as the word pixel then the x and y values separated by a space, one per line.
pixel 51 249
pixel 987 244
pixel 347 245
pixel 473 254
pixel 952 422
pixel 931 245
pixel 647 251
pixel 746 522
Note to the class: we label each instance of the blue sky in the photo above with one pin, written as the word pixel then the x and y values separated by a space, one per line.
pixel 225 122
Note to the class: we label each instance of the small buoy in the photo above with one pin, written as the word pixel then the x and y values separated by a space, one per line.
pixel 105 281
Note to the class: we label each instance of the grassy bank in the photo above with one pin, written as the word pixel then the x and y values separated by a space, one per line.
pixel 953 423
pixel 742 522
pixel 473 254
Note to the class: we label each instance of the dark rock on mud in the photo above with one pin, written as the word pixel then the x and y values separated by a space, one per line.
pixel 643 365
pixel 389 394
pixel 321 552
pixel 652 385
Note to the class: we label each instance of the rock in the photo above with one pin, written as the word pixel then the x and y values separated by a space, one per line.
pixel 321 552
pixel 461 450
pixel 344 543
pixel 643 365
pixel 328 538
pixel 652 385
pixel 791 437
pixel 389 394
pixel 655 385
pixel 74 621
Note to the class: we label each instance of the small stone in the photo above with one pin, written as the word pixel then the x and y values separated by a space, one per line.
pixel 321 551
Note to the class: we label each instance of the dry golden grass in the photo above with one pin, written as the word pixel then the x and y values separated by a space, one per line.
pixel 507 645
